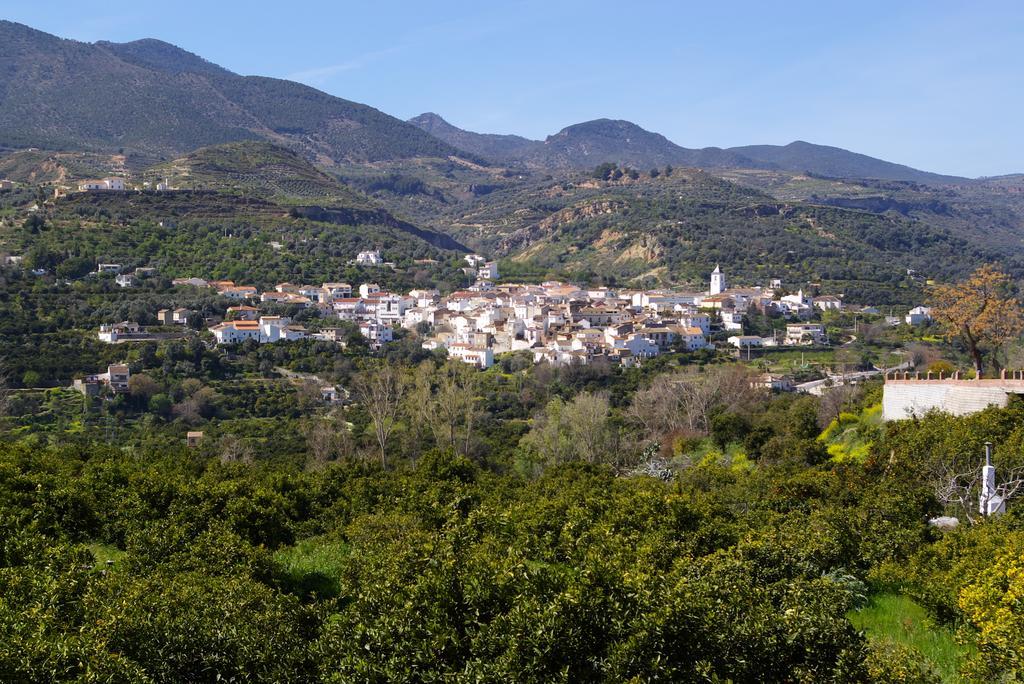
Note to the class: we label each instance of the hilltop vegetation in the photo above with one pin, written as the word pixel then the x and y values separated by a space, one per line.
pixel 856 237
pixel 824 160
pixel 503 149
pixel 249 211
pixel 629 227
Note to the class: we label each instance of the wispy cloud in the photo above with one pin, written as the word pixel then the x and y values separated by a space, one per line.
pixel 317 76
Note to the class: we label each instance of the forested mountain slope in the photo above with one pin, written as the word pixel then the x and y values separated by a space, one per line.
pixel 154 99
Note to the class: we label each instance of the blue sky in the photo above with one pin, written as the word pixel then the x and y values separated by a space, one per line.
pixel 937 85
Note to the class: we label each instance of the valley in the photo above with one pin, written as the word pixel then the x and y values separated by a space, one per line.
pixel 296 390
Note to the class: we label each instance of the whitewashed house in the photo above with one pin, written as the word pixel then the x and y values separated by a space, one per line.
pixel 337 290
pixel 370 258
pixel 376 332
pixel 697 320
pixel 732 320
pixel 111 183
pixel 828 303
pixel 805 334
pixel 488 271
pixel 112 333
pixel 918 315
pixel 690 339
pixel 236 332
pixel 745 341
pixel 481 357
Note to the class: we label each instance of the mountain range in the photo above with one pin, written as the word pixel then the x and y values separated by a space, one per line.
pixel 585 145
pixel 153 100
pixel 261 161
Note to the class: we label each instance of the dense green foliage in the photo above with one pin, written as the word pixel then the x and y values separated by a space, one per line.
pixel 988 209
pixel 437 571
pixel 177 566
pixel 514 536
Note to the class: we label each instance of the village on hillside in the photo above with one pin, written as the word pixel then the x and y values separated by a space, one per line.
pixel 555 322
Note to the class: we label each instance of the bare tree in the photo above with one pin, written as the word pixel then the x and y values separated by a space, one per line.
pixel 328 439
pixel 444 402
pixel 870 333
pixel 962 490
pixel 922 356
pixel 685 401
pixel 234 449
pixel 381 392
pixel 307 394
pixel 834 400
pixel 728 388
pixel 418 400
pixel 658 409
pixel 193 408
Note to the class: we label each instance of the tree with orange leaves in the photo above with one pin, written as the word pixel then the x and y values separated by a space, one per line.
pixel 980 310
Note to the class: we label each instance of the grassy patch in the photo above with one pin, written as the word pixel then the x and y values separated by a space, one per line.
pixel 313 566
pixel 775 360
pixel 897 618
pixel 103 553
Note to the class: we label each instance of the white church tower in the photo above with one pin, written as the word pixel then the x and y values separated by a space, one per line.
pixel 989 501
pixel 718 285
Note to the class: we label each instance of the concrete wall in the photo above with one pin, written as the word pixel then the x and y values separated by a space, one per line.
pixel 908 398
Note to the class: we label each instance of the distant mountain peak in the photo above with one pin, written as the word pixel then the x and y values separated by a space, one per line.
pixel 498 148
pixel 432 123
pixel 152 53
pixel 429 117
pixel 618 130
